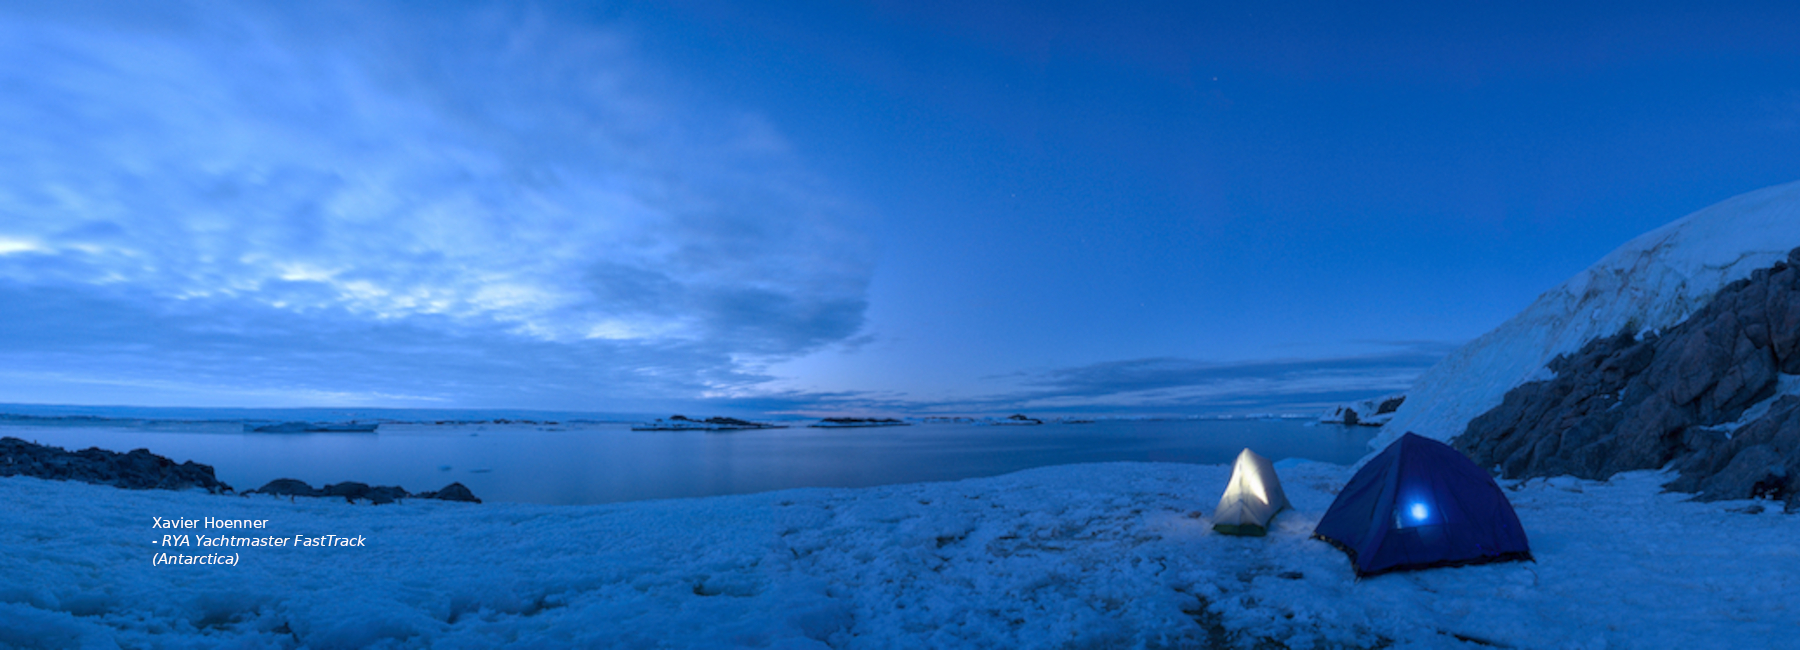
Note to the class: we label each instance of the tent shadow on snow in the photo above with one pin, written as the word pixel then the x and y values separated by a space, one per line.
pixel 1421 504
pixel 1251 498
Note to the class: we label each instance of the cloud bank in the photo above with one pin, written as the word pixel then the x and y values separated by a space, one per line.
pixel 1165 386
pixel 1184 385
pixel 274 204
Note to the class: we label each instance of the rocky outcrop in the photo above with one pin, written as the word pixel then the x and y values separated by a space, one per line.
pixel 136 470
pixel 1654 281
pixel 1643 400
pixel 141 470
pixel 1369 413
pixel 286 487
pixel 350 491
pixel 1757 459
pixel 451 492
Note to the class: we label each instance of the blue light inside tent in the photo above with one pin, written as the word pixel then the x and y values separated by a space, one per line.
pixel 1416 510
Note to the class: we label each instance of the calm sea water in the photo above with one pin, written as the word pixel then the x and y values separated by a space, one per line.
pixel 605 463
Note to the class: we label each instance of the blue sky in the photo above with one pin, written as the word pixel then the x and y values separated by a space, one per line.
pixel 836 207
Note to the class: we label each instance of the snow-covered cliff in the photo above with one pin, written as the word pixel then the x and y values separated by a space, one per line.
pixel 1372 412
pixel 1652 282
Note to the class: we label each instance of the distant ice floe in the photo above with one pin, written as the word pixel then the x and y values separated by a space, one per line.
pixel 1652 282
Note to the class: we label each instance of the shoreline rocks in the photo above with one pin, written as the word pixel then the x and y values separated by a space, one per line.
pixel 137 469
pixel 141 470
pixel 352 490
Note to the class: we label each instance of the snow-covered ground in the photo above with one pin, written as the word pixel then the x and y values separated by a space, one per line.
pixel 1081 556
pixel 1651 282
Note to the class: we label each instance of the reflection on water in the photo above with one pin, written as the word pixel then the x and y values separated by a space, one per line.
pixel 603 463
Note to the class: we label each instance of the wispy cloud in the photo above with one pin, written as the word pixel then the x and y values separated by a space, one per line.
pixel 361 198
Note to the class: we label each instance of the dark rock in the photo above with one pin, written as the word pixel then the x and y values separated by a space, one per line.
pixel 141 470
pixel 386 494
pixel 1622 403
pixel 1390 405
pixel 136 470
pixel 286 487
pixel 1350 418
pixel 451 492
pixel 1784 320
pixel 730 422
pixel 352 490
pixel 1756 468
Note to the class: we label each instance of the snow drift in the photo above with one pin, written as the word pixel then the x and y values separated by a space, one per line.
pixel 1652 282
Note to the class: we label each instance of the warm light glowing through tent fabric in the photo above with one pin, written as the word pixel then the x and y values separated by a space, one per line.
pixel 1446 511
pixel 1251 499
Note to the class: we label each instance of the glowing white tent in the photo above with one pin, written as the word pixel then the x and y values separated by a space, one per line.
pixel 1251 498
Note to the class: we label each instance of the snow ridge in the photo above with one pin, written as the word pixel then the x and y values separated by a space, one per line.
pixel 1651 282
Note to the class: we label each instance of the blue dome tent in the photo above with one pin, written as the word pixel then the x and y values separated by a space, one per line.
pixel 1420 504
